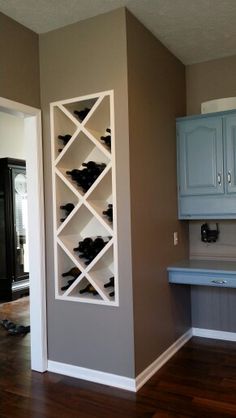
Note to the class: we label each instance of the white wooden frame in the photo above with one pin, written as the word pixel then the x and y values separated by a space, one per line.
pixel 33 137
pixel 83 199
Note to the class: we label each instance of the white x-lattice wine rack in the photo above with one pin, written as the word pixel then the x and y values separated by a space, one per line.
pixel 86 219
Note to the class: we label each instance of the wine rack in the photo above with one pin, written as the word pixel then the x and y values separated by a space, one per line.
pixel 82 131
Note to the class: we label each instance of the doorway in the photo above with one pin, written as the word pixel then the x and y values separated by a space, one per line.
pixel 33 140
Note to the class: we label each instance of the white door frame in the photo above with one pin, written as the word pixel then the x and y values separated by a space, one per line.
pixel 34 165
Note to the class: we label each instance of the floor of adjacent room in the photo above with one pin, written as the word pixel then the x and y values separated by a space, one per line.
pixel 199 381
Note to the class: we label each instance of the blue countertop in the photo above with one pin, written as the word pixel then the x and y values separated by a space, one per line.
pixel 203 273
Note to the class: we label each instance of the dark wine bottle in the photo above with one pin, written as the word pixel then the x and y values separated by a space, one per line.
pixel 78 176
pixel 98 241
pixel 82 113
pixel 98 244
pixel 68 207
pixel 69 283
pixel 65 287
pixel 93 165
pixel 73 172
pixel 110 283
pixel 89 248
pixel 87 242
pixel 89 164
pixel 88 289
pixel 88 253
pixel 86 177
pixel 65 138
pixel 107 138
pixel 109 212
pixel 73 272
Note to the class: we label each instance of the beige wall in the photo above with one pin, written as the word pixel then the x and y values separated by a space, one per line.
pixel 210 80
pixel 81 59
pixel 19 63
pixel 156 83
pixel 94 58
pixel 12 142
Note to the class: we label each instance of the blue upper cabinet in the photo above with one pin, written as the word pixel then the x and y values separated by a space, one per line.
pixel 201 162
pixel 230 155
pixel 206 154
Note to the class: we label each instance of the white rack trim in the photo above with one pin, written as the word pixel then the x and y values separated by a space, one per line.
pixel 58 174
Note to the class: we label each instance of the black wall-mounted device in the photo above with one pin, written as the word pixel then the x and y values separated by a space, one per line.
pixel 209 235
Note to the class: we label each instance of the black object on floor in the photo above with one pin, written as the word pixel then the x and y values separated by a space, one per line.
pixel 19 330
pixel 7 324
pixel 14 329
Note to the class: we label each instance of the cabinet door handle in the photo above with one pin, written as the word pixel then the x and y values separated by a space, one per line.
pixel 219 178
pixel 229 177
pixel 219 281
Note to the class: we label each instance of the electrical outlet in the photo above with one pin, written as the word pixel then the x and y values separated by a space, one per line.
pixel 176 238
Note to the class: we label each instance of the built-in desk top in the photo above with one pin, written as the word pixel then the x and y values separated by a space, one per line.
pixel 203 273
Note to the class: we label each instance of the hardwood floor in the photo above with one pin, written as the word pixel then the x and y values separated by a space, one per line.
pixel 199 381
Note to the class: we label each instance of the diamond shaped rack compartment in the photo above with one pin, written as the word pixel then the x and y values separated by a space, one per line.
pixel 84 199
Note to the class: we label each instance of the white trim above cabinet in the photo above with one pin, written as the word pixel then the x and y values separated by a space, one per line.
pixel 83 140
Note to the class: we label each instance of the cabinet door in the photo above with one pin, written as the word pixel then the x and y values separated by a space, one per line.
pixel 230 146
pixel 200 156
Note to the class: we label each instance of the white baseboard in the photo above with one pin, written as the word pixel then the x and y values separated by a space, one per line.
pixel 146 374
pixel 117 381
pixel 211 333
pixel 91 375
pixel 130 384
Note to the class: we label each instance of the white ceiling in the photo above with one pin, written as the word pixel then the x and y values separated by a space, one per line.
pixel 194 30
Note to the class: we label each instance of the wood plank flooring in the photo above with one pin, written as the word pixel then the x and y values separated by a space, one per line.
pixel 199 381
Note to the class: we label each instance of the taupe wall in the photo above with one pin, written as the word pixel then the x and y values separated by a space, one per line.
pixel 156 84
pixel 80 59
pixel 19 63
pixel 210 80
pixel 212 308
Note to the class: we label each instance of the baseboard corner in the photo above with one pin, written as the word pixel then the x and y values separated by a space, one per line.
pixel 118 381
pixel 147 373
